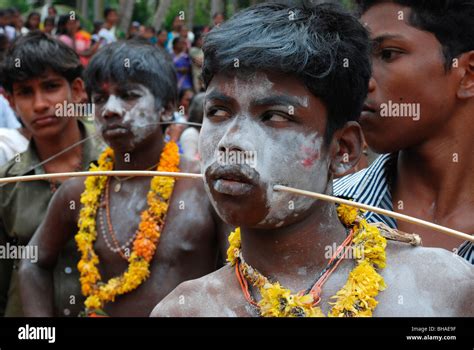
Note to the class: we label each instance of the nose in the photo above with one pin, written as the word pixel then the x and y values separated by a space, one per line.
pixel 40 103
pixel 372 84
pixel 112 108
pixel 238 137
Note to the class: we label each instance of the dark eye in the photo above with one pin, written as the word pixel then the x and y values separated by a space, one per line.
pixel 130 96
pixel 24 92
pixel 217 113
pixel 275 117
pixel 98 98
pixel 389 54
pixel 52 86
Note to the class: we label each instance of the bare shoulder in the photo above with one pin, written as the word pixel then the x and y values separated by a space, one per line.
pixel 430 261
pixel 73 188
pixel 215 295
pixel 69 195
pixel 425 281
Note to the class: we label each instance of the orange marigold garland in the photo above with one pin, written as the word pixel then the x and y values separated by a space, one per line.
pixel 146 240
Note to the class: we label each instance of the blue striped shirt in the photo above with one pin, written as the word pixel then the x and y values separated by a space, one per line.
pixel 370 186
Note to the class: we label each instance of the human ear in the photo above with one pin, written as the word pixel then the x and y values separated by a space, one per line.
pixel 166 112
pixel 345 149
pixel 78 91
pixel 466 85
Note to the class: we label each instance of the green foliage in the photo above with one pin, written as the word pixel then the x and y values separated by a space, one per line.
pixel 143 13
pixel 21 5
pixel 202 9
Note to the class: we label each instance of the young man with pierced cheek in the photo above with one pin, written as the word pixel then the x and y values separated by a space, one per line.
pixel 39 73
pixel 282 104
pixel 423 63
pixel 138 237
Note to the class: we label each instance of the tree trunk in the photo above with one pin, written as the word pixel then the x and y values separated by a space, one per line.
pixel 83 6
pixel 235 6
pixel 98 10
pixel 161 13
pixel 126 12
pixel 190 14
pixel 217 6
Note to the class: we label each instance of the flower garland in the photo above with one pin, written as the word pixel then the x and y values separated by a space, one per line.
pixel 355 298
pixel 145 243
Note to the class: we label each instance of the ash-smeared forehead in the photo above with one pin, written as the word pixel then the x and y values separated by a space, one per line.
pixel 125 62
pixel 322 45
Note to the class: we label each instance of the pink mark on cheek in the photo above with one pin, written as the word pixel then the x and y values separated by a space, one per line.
pixel 311 156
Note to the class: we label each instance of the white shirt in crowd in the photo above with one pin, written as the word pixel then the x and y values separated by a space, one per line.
pixel 108 35
pixel 12 142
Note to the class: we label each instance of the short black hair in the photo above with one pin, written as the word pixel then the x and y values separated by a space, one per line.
pixel 108 10
pixel 27 22
pixel 148 65
pixel 151 28
pixel 3 45
pixel 37 52
pixel 49 20
pixel 451 21
pixel 218 14
pixel 322 45
pixel 176 41
pixel 62 23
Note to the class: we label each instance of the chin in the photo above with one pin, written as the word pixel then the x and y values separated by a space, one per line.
pixel 381 144
pixel 48 132
pixel 118 146
pixel 239 212
pixel 245 210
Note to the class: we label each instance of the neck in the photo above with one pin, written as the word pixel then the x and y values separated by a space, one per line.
pixel 440 169
pixel 142 157
pixel 49 146
pixel 295 255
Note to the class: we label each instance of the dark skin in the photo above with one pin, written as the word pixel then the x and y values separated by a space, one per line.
pixel 188 243
pixel 111 20
pixel 292 251
pixel 162 38
pixel 34 100
pixel 408 67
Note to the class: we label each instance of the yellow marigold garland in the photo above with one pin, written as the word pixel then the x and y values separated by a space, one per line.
pixel 146 240
pixel 355 298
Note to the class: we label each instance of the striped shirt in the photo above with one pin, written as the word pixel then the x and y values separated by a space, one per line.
pixel 371 186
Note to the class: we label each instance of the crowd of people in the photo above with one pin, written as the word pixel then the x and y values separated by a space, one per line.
pixel 182 45
pixel 307 95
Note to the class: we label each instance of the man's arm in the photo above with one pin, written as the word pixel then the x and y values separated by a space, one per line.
pixel 59 225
